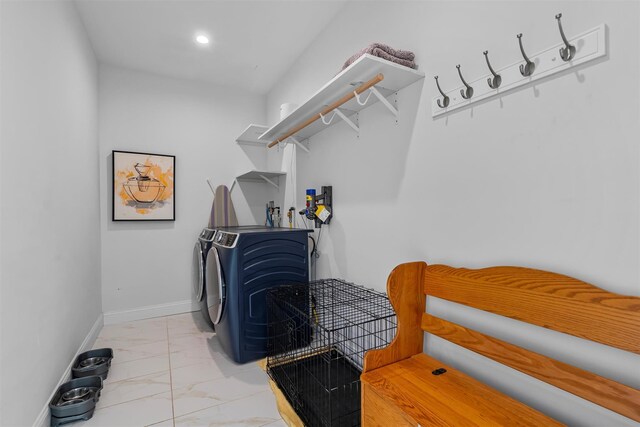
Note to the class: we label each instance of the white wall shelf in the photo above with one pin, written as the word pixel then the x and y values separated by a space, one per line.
pixel 272 178
pixel 362 70
pixel 250 136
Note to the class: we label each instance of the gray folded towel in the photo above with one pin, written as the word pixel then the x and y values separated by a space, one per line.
pixel 402 57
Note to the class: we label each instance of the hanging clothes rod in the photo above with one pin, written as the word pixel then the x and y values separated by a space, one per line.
pixel 364 86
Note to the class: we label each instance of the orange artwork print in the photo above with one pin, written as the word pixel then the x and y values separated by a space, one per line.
pixel 143 186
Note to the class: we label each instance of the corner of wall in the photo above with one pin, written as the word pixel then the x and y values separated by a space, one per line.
pixel 150 311
pixel 87 344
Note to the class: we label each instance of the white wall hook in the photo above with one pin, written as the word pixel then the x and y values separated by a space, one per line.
pixel 381 98
pixel 339 113
pixel 366 99
pixel 328 122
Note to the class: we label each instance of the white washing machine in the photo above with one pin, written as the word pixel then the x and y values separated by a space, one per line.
pixel 200 251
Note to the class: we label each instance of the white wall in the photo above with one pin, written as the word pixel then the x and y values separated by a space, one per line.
pixel 50 248
pixel 149 263
pixel 546 177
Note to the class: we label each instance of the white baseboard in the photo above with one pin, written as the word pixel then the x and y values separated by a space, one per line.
pixel 110 318
pixel 150 311
pixel 87 344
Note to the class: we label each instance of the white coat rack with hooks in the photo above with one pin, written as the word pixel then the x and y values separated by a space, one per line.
pixel 570 53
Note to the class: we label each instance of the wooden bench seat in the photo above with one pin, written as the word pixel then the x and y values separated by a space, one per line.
pixel 427 399
pixel 399 387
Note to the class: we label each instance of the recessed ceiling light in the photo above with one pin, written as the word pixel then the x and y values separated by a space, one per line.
pixel 202 39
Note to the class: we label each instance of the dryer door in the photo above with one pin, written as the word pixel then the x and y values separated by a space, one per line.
pixel 215 286
pixel 198 272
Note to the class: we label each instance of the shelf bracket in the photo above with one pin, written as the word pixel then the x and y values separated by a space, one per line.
pixel 347 120
pixel 384 101
pixel 299 144
pixel 363 87
pixel 380 96
pixel 339 113
pixel 269 181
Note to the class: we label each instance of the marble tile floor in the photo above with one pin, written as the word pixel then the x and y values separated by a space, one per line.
pixel 170 372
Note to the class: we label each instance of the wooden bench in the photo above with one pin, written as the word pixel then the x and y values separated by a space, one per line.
pixel 401 385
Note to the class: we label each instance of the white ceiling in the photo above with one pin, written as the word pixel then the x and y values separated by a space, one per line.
pixel 253 42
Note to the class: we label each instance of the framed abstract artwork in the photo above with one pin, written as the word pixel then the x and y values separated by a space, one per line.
pixel 143 186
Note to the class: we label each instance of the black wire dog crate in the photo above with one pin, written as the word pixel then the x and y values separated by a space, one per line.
pixel 318 335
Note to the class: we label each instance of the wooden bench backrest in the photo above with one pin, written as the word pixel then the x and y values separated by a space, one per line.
pixel 541 298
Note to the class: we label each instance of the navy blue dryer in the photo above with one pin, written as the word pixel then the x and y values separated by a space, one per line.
pixel 242 264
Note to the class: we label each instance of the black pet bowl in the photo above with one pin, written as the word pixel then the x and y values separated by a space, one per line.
pixel 93 362
pixel 75 400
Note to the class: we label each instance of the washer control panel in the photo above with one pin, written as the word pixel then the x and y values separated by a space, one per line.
pixel 226 239
pixel 207 234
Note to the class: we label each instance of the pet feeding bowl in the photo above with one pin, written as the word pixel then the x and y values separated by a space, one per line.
pixel 75 400
pixel 93 362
